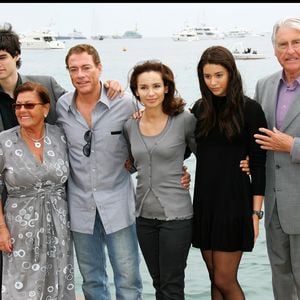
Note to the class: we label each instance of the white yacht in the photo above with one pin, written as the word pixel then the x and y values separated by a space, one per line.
pixel 237 33
pixel 202 32
pixel 187 34
pixel 41 40
pixel 77 35
pixel 205 32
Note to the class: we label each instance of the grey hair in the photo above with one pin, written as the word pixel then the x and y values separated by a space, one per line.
pixel 288 22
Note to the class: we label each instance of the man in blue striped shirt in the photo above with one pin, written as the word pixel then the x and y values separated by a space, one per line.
pixel 100 190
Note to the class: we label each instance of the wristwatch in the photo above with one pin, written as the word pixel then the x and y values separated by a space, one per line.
pixel 260 214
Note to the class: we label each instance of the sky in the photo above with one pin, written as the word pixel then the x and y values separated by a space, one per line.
pixel 151 19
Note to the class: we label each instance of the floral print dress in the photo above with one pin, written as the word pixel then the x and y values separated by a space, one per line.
pixel 41 265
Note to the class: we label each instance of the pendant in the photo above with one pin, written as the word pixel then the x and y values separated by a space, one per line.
pixel 37 144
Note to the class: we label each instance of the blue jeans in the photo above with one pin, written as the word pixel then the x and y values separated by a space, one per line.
pixel 122 249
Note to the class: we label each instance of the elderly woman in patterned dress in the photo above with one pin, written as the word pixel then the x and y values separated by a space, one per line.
pixel 34 223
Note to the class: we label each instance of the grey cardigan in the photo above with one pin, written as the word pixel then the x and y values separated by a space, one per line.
pixel 160 168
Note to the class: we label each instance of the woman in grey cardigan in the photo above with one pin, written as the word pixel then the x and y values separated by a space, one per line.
pixel 163 206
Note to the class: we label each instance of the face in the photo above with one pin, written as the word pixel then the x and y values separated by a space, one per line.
pixel 216 78
pixel 151 89
pixel 287 50
pixel 31 118
pixel 8 65
pixel 84 73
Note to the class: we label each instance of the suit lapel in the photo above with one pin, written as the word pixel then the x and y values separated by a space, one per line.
pixel 273 99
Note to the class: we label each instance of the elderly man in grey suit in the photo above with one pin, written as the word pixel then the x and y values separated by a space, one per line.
pixel 279 95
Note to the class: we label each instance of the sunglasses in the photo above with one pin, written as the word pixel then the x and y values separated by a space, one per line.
pixel 87 147
pixel 17 106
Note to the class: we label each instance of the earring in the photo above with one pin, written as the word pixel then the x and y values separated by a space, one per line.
pixel 45 116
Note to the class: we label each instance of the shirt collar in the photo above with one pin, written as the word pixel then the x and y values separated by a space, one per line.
pixel 103 100
pixel 294 84
pixel 19 82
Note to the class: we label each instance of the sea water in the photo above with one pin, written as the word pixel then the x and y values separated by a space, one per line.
pixel 118 56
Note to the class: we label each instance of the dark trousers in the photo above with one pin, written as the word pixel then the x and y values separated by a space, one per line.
pixel 165 246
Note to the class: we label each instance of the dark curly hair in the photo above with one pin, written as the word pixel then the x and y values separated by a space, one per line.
pixel 173 104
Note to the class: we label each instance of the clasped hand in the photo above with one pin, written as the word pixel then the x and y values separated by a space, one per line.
pixel 274 140
pixel 5 240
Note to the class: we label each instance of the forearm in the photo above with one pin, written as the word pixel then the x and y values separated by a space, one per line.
pixel 5 238
pixel 2 218
pixel 257 202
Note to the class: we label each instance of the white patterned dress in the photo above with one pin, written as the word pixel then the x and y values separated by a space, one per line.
pixel 41 266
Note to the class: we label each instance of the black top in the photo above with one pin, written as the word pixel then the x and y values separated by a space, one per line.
pixel 223 193
pixel 8 115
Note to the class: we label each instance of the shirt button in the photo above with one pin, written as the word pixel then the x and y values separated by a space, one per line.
pixel 277 167
pixel 94 189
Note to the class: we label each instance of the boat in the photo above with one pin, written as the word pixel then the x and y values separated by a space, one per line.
pixel 240 52
pixel 131 34
pixel 205 32
pixel 63 37
pixel 202 32
pixel 41 39
pixel 187 34
pixel 237 33
pixel 116 36
pixel 98 37
pixel 77 35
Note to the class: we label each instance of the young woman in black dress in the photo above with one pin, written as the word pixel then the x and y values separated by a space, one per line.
pixel 227 202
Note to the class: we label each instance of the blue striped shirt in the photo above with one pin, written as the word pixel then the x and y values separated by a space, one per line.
pixel 99 181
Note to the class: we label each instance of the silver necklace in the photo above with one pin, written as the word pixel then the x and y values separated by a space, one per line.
pixel 37 143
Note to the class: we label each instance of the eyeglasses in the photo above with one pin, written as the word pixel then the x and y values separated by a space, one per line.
pixel 17 106
pixel 87 147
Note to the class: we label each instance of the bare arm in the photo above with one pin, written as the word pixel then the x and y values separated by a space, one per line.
pixel 257 205
pixel 5 238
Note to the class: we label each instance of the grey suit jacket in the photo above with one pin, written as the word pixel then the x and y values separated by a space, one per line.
pixel 54 89
pixel 282 169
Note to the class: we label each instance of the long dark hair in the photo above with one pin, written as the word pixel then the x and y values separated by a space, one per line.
pixel 172 104
pixel 231 118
